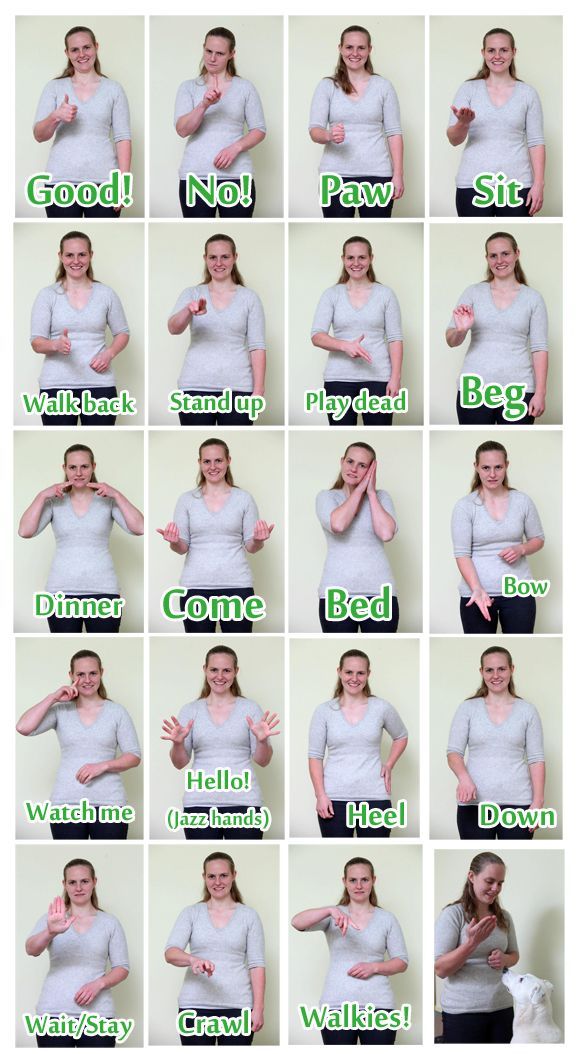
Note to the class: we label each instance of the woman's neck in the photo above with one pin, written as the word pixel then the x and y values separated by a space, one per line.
pixel 221 285
pixel 357 79
pixel 82 911
pixel 224 904
pixel 499 493
pixel 357 910
pixel 353 700
pixel 358 283
pixel 90 77
pixel 213 699
pixel 89 702
pixel 71 285
pixel 499 698
pixel 505 283
pixel 500 80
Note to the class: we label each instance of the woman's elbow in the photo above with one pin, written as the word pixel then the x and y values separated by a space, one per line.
pixel 296 925
pixel 439 970
pixel 31 950
pixel 21 728
pixel 260 135
pixel 24 533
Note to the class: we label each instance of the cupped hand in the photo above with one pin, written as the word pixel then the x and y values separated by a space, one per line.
pixel 343 921
pixel 62 344
pixel 479 931
pixel 226 156
pixel 100 363
pixel 265 727
pixel 199 966
pixel 57 919
pixel 90 771
pixel 87 992
pixel 496 959
pixel 174 731
pixel 170 533
pixel 337 133
pixel 67 111
pixel 463 316
pixel 103 490
pixel 464 114
pixel 197 307
pixel 355 350
pixel 483 601
pixel 262 531
pixel 362 970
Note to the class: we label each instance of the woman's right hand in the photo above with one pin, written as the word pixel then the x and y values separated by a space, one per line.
pixel 482 600
pixel 175 732
pixel 480 931
pixel 202 965
pixel 67 111
pixel 463 317
pixel 57 919
pixel 466 789
pixel 337 134
pixel 170 533
pixel 355 350
pixel 464 115
pixel 65 693
pixel 324 806
pixel 210 97
pixel 57 490
pixel 343 921
pixel 197 307
pixel 62 345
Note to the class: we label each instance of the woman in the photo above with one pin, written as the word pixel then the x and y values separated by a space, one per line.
pixel 501 118
pixel 474 942
pixel 509 335
pixel 227 335
pixel 359 935
pixel 357 520
pixel 214 526
pixel 222 728
pixel 355 116
pixel 68 325
pixel 226 962
pixel 84 110
pixel 504 739
pixel 358 304
pixel 350 727
pixel 211 111
pixel 494 528
pixel 81 938
pixel 81 512
pixel 90 729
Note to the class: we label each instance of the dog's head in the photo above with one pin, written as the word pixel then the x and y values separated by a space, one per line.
pixel 526 988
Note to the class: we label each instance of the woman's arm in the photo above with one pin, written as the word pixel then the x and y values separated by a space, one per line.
pixel 535 196
pixel 177 957
pixel 304 919
pixel 457 133
pixel 398 747
pixel 383 523
pixel 396 357
pixel 92 770
pixel 30 518
pixel 476 932
pixel 515 552
pixel 123 150
pixel 387 968
pixel 258 365
pixel 479 595
pixel 132 516
pixel 540 365
pixel 537 777
pixel 63 114
pixel 263 729
pixel 88 991
pixel 324 806
pixel 257 977
pixel 39 942
pixel 395 143
pixel 44 346
pixel 32 717
pixel 466 789
pixel 261 534
pixel 227 155
pixel 100 363
pixel 352 348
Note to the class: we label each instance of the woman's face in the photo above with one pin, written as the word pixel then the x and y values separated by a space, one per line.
pixel 86 676
pixel 359 883
pixel 79 884
pixel 81 52
pixel 220 260
pixel 488 883
pixel 216 54
pixel 75 257
pixel 79 468
pixel 357 260
pixel 219 878
pixel 220 673
pixel 353 674
pixel 496 672
pixel 213 463
pixel 491 468
pixel 355 50
pixel 501 257
pixel 355 464
pixel 498 53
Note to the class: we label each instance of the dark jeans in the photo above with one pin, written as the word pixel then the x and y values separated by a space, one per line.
pixel 219 1041
pixel 70 1041
pixel 92 625
pixel 336 826
pixel 495 1027
pixel 352 389
pixel 200 209
pixel 468 827
pixel 486 415
pixel 95 420
pixel 367 625
pixel 228 834
pixel 115 832
pixel 463 203
pixel 89 212
pixel 336 211
pixel 369 1037
pixel 516 614
pixel 235 417
pixel 208 625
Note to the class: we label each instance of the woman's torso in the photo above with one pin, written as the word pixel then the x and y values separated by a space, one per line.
pixel 379 319
pixel 228 745
pixel 497 755
pixel 476 987
pixel 499 136
pixel 381 936
pixel 78 958
pixel 368 121
pixel 477 534
pixel 82 564
pixel 352 770
pixel 83 149
pixel 222 124
pixel 356 559
pixel 221 341
pixel 216 540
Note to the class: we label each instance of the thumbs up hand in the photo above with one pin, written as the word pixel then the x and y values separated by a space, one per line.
pixel 66 112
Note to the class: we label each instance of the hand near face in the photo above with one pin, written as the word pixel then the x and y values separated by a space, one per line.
pixel 210 97
pixel 67 111
pixel 103 490
pixel 372 478
pixel 87 992
pixel 262 531
pixel 343 921
pixel 63 344
pixel 65 693
pixel 170 533
pixel 174 731
pixel 362 970
pixel 463 317
pixel 57 919
pixel 90 772
pixel 57 490
pixel 337 133
pixel 464 115
pixel 264 728
pixel 479 931
pixel 197 307
pixel 225 157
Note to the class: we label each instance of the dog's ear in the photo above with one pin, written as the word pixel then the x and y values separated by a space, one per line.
pixel 538 992
pixel 548 987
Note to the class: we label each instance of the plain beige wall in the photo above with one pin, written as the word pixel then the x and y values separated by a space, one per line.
pixel 455 45
pixel 535 460
pixel 398 55
pixel 38 458
pixel 315 252
pixel 176 46
pixel 461 246
pixel 534 894
pixel 395 677
pixel 314 463
pixel 175 881
pixel 176 679
pixel 454 676
pixel 315 880
pixel 118 252
pixel 176 261
pixel 42 666
pixel 39 873
pixel 40 46
pixel 257 467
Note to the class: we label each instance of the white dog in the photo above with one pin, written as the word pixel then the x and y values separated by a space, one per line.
pixel 533 1013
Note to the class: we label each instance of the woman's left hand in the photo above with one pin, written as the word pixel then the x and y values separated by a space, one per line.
pixel 535 198
pixel 103 490
pixel 393 386
pixel 225 158
pixel 372 479
pixel 398 187
pixel 386 773
pixel 496 959
pixel 90 771
pixel 87 992
pixel 511 555
pixel 264 728
pixel 101 362
pixel 536 406
pixel 363 970
pixel 262 531
pixel 257 1019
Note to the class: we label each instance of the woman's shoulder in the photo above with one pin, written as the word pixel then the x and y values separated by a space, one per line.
pixel 249 296
pixel 249 915
pixel 110 920
pixel 467 503
pixel 383 84
pixel 113 707
pixel 386 917
pixel 453 912
pixel 527 90
pixel 243 84
pixel 114 87
pixel 243 703
pixel 334 496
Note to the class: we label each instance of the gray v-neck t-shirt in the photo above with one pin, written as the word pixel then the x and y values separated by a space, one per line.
pixel 83 149
pixel 476 988
pixel 478 535
pixel 216 540
pixel 52 314
pixel 356 559
pixel 82 564
pixel 221 341
pixel 234 949
pixel 502 339
pixel 223 124
pixel 380 321
pixel 367 121
pixel 230 745
pixel 112 731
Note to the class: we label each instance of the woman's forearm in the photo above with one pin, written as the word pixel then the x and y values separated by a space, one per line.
pixel 396 357
pixel 123 151
pixel 328 343
pixel 540 365
pixel 45 129
pixel 396 151
pixel 538 160
pixel 258 366
pixel 383 523
pixel 257 977
pixel 316 769
pixel 390 967
pixel 343 515
pixel 114 976
pixel 180 321
pixel 457 133
pixel 118 344
pixel 455 337
pixel 533 545
pixel 451 962
pixel 248 141
pixel 43 346
pixel 133 517
pixel 189 123
pixel 304 919
pixel 399 746
pixel 177 957
pixel 468 572
pixel 179 756
pixel 263 753
pixel 537 778
pixel 123 762
pixel 38 943
pixel 321 136
pixel 457 764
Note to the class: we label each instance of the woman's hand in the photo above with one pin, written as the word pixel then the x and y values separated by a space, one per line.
pixel 174 731
pixel 57 919
pixel 535 198
pixel 371 478
pixel 342 921
pixel 62 345
pixel 386 774
pixel 482 600
pixel 101 362
pixel 170 533
pixel 512 554
pixel 393 386
pixel 262 531
pixel 103 490
pixel 225 157
pixel 324 806
pixel 466 789
pixel 496 959
pixel 398 187
pixel 91 771
pixel 210 97
pixel 57 490
pixel 354 349
pixel 197 307
pixel 67 111
pixel 463 317
pixel 536 406
pixel 362 970
pixel 480 931
pixel 337 134
pixel 257 1019
pixel 265 727
pixel 65 693
pixel 464 115
pixel 201 966
pixel 87 992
